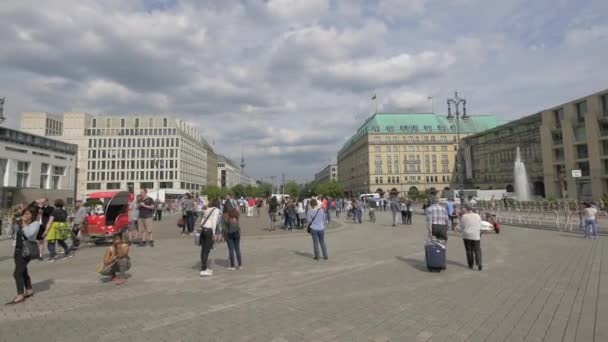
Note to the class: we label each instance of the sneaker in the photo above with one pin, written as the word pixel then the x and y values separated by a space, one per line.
pixel 68 256
pixel 480 267
pixel 51 259
pixel 231 268
pixel 240 268
pixel 206 273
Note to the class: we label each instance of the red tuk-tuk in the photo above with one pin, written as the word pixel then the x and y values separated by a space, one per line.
pixel 109 218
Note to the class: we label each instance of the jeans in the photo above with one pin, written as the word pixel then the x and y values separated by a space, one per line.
pixel 234 247
pixel 318 238
pixel 51 247
pixel 358 213
pixel 206 245
pixel 403 216
pixel 189 221
pixel 590 225
pixel 22 277
pixel 408 217
pixel 159 215
pixel 328 214
pixel 473 250
pixel 119 268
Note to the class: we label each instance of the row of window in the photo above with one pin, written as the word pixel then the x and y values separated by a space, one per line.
pixel 131 175
pixel 425 148
pixel 411 158
pixel 132 164
pixel 412 139
pixel 152 154
pixel 124 121
pixel 134 142
pixel 396 179
pixel 411 168
pixel 142 185
pixel 413 128
pixel 129 131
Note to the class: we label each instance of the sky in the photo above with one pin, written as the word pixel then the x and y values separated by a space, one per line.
pixel 287 82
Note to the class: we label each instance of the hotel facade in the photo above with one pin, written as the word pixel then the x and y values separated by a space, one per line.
pixel 130 152
pixel 407 151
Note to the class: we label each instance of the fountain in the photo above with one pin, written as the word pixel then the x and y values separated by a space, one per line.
pixel 522 186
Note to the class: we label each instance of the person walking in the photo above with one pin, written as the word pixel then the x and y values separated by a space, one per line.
pixel 408 211
pixel 116 260
pixel 589 215
pixel 316 222
pixel 394 204
pixel 403 210
pixel 210 220
pixel 451 213
pixel 158 206
pixel 44 214
pixel 301 214
pixel 470 224
pixel 437 219
pixel 146 211
pixel 290 215
pixel 57 231
pixel 79 218
pixel 26 233
pixel 233 239
pixel 188 208
pixel 133 226
pixel 250 206
pixel 273 207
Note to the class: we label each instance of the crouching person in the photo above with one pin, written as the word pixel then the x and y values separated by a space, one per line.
pixel 116 261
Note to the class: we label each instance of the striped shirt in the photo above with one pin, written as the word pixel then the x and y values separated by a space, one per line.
pixel 437 214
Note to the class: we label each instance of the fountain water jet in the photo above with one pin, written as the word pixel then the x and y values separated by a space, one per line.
pixel 522 186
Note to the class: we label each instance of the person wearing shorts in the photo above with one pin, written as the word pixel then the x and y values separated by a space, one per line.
pixel 146 212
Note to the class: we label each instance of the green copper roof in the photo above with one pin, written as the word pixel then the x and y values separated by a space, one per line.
pixel 421 123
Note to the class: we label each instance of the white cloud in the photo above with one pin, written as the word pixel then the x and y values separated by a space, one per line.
pixel 596 34
pixel 298 9
pixel 394 9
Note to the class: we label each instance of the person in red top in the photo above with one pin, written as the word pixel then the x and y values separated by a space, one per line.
pixel 250 206
pixel 326 209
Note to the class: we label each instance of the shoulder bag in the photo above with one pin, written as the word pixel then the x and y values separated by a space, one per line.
pixel 197 234
pixel 309 228
pixel 30 248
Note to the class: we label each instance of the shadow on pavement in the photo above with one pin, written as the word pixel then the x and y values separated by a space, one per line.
pixel 221 262
pixel 303 254
pixel 42 286
pixel 573 235
pixel 414 263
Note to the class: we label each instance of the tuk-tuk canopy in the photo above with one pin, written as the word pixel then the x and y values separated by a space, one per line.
pixel 117 197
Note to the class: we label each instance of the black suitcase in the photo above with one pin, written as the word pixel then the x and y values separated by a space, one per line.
pixel 434 252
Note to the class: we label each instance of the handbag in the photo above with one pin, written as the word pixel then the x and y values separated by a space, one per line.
pixel 309 227
pixel 30 249
pixel 197 234
pixel 180 222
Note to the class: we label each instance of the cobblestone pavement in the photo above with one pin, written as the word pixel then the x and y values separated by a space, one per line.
pixel 536 285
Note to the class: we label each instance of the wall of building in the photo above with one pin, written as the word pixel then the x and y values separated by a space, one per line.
pixel 575 137
pixel 490 156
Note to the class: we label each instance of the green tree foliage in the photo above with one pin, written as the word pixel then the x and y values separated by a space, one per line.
pixel 213 191
pixel 292 189
pixel 332 189
pixel 238 191
pixel 263 190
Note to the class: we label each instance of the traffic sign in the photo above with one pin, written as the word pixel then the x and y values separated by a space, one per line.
pixel 577 173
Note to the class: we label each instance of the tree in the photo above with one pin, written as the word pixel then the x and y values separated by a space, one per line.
pixel 332 189
pixel 292 189
pixel 238 190
pixel 263 190
pixel 214 192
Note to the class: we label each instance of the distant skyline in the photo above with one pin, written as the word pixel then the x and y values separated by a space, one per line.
pixel 291 80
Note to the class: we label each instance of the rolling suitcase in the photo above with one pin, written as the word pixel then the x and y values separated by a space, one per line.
pixel 434 252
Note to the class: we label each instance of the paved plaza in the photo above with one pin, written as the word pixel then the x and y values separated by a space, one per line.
pixel 536 285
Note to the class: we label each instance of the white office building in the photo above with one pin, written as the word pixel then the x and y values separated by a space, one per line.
pixel 33 167
pixel 131 152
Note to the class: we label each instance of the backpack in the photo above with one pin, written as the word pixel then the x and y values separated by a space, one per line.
pixel 232 226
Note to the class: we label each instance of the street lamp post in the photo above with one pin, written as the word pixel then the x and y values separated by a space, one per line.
pixel 457 102
pixel 2 110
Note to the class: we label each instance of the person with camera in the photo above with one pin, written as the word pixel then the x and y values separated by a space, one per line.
pixel 25 250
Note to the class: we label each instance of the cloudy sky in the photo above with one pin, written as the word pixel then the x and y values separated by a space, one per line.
pixel 290 80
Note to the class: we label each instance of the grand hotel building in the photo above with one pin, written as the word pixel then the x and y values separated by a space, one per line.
pixel 129 152
pixel 406 151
